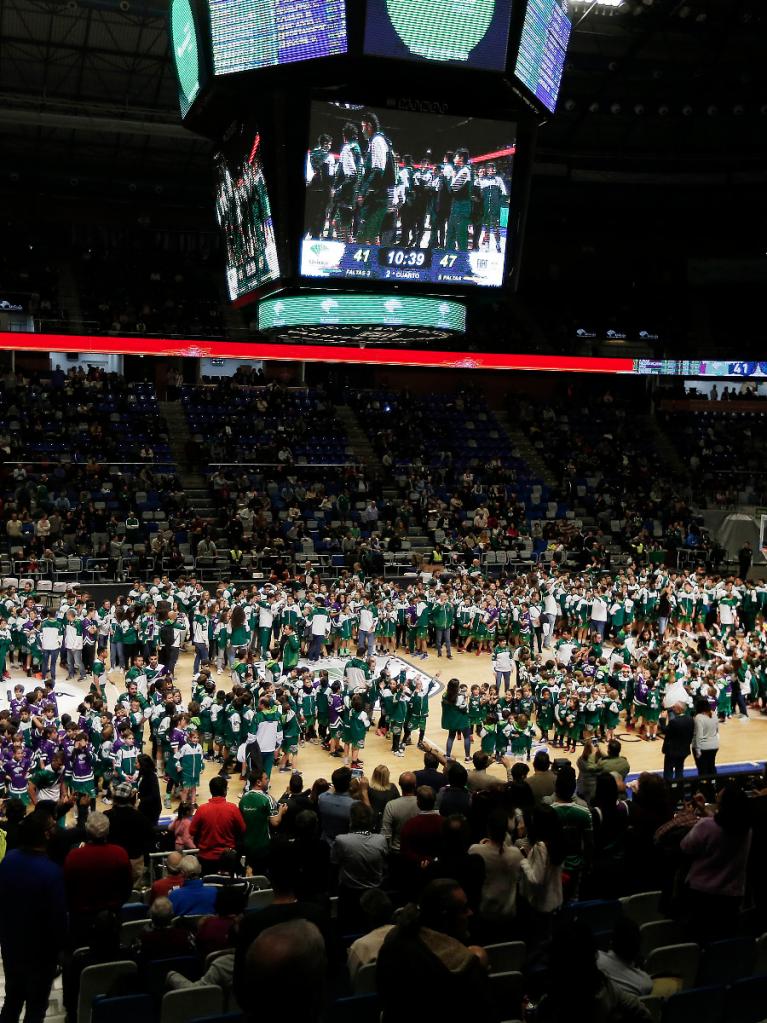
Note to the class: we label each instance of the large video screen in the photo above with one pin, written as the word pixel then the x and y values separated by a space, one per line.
pixel 399 196
pixel 543 48
pixel 244 214
pixel 184 37
pixel 251 34
pixel 472 33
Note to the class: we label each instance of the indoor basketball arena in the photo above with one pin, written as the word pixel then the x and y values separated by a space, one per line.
pixel 383 510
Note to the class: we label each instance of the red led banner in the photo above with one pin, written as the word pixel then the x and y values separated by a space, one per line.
pixel 257 350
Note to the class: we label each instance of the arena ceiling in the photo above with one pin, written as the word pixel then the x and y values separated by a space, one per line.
pixel 88 85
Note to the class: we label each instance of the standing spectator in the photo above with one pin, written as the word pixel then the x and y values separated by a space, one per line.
pixel 131 830
pixel 718 847
pixel 429 773
pixel 677 742
pixel 503 865
pixel 542 870
pixel 361 858
pixel 32 923
pixel 399 811
pixel 614 762
pixel 455 797
pixel 745 556
pixel 261 814
pixel 541 781
pixel 98 877
pixel 150 803
pixel 705 741
pixel 334 807
pixel 577 829
pixel 421 835
pixel 380 792
pixel 164 939
pixel 216 827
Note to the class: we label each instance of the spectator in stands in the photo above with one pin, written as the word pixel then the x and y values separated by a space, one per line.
pixel 429 773
pixel 335 807
pixel 592 991
pixel 480 779
pixel 619 964
pixel 718 847
pixel 399 811
pixel 287 956
pixel 361 857
pixel 173 877
pixel 427 964
pixel 503 866
pixel 130 829
pixel 541 781
pixel 377 910
pixel 98 877
pixel 614 762
pixel 164 939
pixel 193 896
pixel 216 826
pixel 421 834
pixel 284 908
pixel 217 932
pixel 33 902
pixel 455 796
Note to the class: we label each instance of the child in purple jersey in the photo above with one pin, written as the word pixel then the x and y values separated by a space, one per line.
pixel 18 702
pixel 17 776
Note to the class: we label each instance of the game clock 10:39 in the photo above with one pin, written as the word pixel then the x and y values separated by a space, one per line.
pixel 402 196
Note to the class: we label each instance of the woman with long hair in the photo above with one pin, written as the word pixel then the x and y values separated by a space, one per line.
pixel 380 792
pixel 455 718
pixel 705 740
pixel 718 847
pixel 503 865
pixel 149 803
pixel 542 869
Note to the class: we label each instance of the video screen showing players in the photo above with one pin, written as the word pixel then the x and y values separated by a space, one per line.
pixel 403 196
pixel 244 214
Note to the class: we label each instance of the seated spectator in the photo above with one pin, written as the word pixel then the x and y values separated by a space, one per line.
pixel 596 996
pixel 427 964
pixel 376 910
pixel 285 957
pixel 284 908
pixel 104 947
pixel 620 963
pixel 217 932
pixel 163 886
pixel 193 897
pixel 164 939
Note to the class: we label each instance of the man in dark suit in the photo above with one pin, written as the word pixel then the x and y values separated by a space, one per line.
pixel 676 744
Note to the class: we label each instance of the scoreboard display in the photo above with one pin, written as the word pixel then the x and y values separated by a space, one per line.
pixel 187 52
pixel 542 49
pixel 471 33
pixel 250 34
pixel 406 197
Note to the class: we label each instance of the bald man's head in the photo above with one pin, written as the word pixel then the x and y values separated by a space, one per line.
pixel 283 958
pixel 173 862
pixel 407 783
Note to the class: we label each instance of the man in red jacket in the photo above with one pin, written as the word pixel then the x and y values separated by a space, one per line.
pixel 216 827
pixel 98 876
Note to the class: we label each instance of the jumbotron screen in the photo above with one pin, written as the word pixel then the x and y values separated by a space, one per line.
pixel 400 196
pixel 252 34
pixel 470 33
pixel 244 214
pixel 543 48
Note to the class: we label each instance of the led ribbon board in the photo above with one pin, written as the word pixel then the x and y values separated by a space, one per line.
pixel 336 309
pixel 472 33
pixel 251 34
